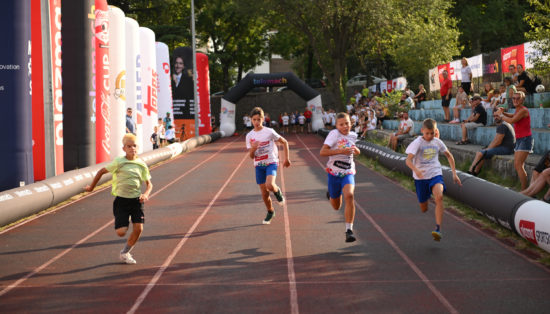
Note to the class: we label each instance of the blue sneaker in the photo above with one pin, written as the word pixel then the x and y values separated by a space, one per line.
pixel 437 235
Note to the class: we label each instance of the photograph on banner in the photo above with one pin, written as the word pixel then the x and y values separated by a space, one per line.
pixel 182 91
pixel 512 56
pixel 492 70
pixel 434 79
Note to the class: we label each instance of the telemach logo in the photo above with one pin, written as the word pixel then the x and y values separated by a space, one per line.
pixel 527 230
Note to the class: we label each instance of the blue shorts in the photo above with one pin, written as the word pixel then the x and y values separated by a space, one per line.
pixel 424 187
pixel 499 150
pixel 336 184
pixel 524 144
pixel 263 171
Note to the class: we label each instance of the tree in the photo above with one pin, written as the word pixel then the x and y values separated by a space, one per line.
pixel 539 21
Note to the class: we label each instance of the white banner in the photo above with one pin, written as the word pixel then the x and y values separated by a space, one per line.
pixel 133 78
pixel 164 89
pixel 399 83
pixel 532 222
pixel 383 86
pixel 149 83
pixel 117 60
pixel 531 52
pixel 434 79
pixel 476 64
pixel 454 70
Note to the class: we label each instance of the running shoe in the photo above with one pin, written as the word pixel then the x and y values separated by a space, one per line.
pixel 127 258
pixel 268 218
pixel 279 196
pixel 349 236
pixel 437 235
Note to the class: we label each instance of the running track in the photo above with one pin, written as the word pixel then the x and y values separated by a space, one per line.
pixel 204 249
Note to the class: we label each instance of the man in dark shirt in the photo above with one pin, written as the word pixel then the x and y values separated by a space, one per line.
pixel 130 124
pixel 525 83
pixel 476 119
pixel 503 144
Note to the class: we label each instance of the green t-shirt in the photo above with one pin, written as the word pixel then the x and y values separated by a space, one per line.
pixel 365 92
pixel 127 176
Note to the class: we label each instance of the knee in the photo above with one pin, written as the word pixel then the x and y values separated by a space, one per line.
pixel 269 187
pixel 121 232
pixel 438 198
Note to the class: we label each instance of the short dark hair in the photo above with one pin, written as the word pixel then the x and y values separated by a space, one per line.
pixel 257 110
pixel 342 115
pixel 429 124
pixel 508 79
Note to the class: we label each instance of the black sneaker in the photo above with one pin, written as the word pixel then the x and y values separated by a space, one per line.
pixel 349 236
pixel 268 218
pixel 279 196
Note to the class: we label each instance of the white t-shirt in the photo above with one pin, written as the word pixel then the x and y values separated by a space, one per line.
pixel 340 165
pixel 333 118
pixel 247 121
pixel 285 120
pixel 301 119
pixel 426 156
pixel 349 107
pixel 465 73
pixel 161 131
pixel 354 118
pixel 371 125
pixel 267 152
pixel 326 117
pixel 407 123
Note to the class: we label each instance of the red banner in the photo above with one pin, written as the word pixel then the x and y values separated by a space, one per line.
pixel 389 86
pixel 203 93
pixel 441 68
pixel 55 36
pixel 102 104
pixel 512 56
pixel 38 139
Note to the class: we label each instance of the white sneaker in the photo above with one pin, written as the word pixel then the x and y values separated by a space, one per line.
pixel 127 258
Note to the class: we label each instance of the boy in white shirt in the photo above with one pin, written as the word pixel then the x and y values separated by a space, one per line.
pixel 340 147
pixel 423 159
pixel 261 146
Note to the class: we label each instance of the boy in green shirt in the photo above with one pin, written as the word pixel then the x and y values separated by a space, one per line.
pixel 128 174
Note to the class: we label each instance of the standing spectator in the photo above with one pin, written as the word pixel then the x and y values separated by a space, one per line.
pixel 332 119
pixel 285 118
pixel 421 96
pixel 170 135
pixel 476 119
pixel 155 138
pixel 302 122
pixel 365 91
pixel 525 83
pixel 445 92
pixel 466 73
pixel 267 120
pixel 357 96
pixel 540 178
pixel 246 122
pixel 130 124
pixel 502 144
pixel 161 132
pixel 167 120
pixel 510 90
pixel 307 114
pixel 461 103
pixel 406 129
pixel 524 140
pixel 326 119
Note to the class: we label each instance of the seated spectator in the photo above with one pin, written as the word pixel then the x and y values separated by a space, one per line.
pixel 421 96
pixel 369 122
pixel 476 119
pixel 495 100
pixel 502 101
pixel 461 103
pixel 502 144
pixel 488 91
pixel 540 178
pixel 170 135
pixel 406 129
pixel 380 113
pixel 510 90
pixel 525 82
pixel 407 100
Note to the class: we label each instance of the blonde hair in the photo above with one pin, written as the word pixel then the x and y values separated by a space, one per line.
pixel 465 60
pixel 521 94
pixel 128 137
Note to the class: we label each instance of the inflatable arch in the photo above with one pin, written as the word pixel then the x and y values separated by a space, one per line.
pixel 250 81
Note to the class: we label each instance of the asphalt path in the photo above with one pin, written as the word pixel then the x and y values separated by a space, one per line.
pixel 205 250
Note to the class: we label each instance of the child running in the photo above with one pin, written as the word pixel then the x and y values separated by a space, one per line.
pixel 340 147
pixel 423 159
pixel 261 146
pixel 128 174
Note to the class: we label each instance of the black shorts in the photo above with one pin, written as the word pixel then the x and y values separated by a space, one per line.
pixel 445 102
pixel 308 120
pixel 544 163
pixel 466 87
pixel 123 208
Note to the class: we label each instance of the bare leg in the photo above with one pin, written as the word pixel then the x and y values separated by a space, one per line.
pixel 266 198
pixel 137 229
pixel 519 162
pixel 437 192
pixel 350 202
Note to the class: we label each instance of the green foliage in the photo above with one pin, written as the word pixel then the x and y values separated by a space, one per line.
pixel 539 21
pixel 393 103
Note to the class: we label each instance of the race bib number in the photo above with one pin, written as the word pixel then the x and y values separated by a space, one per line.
pixel 342 164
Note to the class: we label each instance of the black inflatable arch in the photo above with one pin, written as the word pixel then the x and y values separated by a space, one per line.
pixel 250 81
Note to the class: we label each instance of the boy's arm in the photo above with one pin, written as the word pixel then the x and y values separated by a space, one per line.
pixel 451 160
pixel 253 148
pixel 356 151
pixel 98 175
pixel 410 164
pixel 326 151
pixel 283 141
pixel 145 196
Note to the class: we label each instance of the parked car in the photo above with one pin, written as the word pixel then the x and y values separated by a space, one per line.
pixel 358 80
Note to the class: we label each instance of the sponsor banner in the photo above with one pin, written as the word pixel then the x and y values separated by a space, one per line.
pixel 476 65
pixel 454 70
pixel 203 93
pixel 389 86
pixel 117 80
pixel 57 86
pixel 441 68
pixel 434 79
pixel 492 69
pixel 532 222
pixel 531 52
pixel 133 78
pixel 399 83
pixel 164 86
pixel 182 88
pixel 103 88
pixel 38 128
pixel 16 164
pixel 149 85
pixel 383 86
pixel 512 55
pixel 184 128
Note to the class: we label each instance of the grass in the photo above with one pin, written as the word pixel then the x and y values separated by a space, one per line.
pixel 464 211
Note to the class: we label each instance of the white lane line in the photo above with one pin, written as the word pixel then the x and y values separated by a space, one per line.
pixel 178 247
pixel 289 258
pixel 58 256
pixel 404 256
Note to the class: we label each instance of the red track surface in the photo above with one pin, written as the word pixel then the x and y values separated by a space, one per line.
pixel 204 249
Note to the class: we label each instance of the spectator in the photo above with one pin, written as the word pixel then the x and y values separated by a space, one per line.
pixel 170 135
pixel 461 103
pixel 502 144
pixel 510 90
pixel 525 83
pixel 406 129
pixel 247 122
pixel 326 119
pixel 293 121
pixel 349 107
pixel 167 120
pixel 130 124
pixel 466 73
pixel 381 114
pixel 357 97
pixel 486 102
pixel 161 132
pixel 476 119
pixel 446 95
pixel 285 118
pixel 501 100
pixel 365 91
pixel 301 122
pixel 370 122
pixel 409 102
pixel 267 120
pixel 155 138
pixel 421 96
pixel 495 100
pixel 308 114
pixel 524 140
pixel 540 178
pixel 514 74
